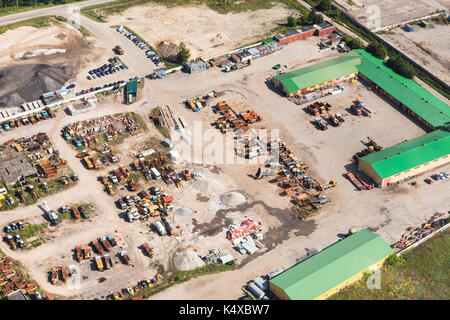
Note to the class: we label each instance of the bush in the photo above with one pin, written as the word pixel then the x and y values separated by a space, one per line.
pixel 324 5
pixel 355 44
pixel 291 21
pixel 394 260
pixel 377 49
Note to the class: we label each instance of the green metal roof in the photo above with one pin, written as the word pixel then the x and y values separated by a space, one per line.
pixel 132 87
pixel 409 154
pixel 420 101
pixel 310 278
pixel 320 72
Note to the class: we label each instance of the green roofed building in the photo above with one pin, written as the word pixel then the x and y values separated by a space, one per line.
pixel 318 75
pixel 333 268
pixel 408 158
pixel 131 88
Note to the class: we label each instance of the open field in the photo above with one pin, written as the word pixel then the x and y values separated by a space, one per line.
pixel 204 31
pixel 420 274
pixel 392 12
pixel 426 46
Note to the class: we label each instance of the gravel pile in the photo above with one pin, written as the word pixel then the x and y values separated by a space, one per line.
pixel 209 187
pixel 187 260
pixel 184 212
pixel 232 199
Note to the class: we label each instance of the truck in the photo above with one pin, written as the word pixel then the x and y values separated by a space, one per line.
pixel 169 228
pixel 125 258
pixel 148 249
pixel 119 50
pixel 99 263
pixel 112 240
pixel 97 247
pixel 79 253
pixel 88 162
pixel 146 153
pixel 155 174
pixel 108 261
pixel 160 227
pixel 106 244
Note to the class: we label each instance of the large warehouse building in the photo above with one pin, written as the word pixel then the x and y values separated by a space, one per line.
pixel 332 269
pixel 407 159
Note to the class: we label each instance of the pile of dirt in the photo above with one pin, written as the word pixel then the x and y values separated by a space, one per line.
pixel 232 199
pixel 187 260
pixel 209 187
pixel 27 82
pixel 184 212
pixel 168 50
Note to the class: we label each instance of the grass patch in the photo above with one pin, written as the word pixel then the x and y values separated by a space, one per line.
pixel 101 12
pixel 419 274
pixel 39 22
pixel 182 276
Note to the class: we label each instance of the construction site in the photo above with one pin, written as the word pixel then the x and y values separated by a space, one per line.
pixel 241 170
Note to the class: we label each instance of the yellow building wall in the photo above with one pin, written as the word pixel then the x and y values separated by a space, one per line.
pixel 405 174
pixel 283 296
pixel 350 281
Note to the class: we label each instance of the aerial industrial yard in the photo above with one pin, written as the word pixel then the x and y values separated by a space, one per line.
pixel 127 173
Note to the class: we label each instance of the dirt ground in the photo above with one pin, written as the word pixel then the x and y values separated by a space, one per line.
pixel 389 212
pixel 38 60
pixel 205 32
pixel 391 11
pixel 426 46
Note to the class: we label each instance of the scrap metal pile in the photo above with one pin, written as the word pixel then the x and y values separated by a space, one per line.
pixel 10 280
pixel 245 228
pixel 413 235
pixel 34 143
pixel 84 133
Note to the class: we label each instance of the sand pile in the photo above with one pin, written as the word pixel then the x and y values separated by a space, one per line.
pixel 187 260
pixel 184 212
pixel 208 187
pixel 232 199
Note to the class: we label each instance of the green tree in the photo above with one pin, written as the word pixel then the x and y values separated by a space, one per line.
pixel 377 49
pixel 401 66
pixel 291 21
pixel 183 54
pixel 324 5
pixel 355 44
pixel 318 19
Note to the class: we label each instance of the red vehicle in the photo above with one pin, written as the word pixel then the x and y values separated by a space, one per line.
pixel 119 50
pixel 429 181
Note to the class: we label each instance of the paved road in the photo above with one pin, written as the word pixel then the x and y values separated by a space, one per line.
pixel 47 11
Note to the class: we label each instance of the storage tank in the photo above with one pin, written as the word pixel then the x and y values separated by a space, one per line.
pixel 160 227
pixel 255 290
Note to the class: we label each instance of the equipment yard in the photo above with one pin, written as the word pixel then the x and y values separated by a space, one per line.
pixel 188 174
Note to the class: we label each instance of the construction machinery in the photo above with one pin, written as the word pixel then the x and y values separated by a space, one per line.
pixel 112 240
pixel 54 276
pixel 168 227
pixel 97 247
pixel 132 186
pixel 51 214
pixel 110 189
pixel 148 249
pixel 320 124
pixel 64 273
pixel 79 253
pixel 332 120
pixel 339 117
pixel 250 116
pixel 99 263
pixel 75 212
pixel 125 258
pixel 108 261
pixel 186 174
pixel 106 244
pixel 87 252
